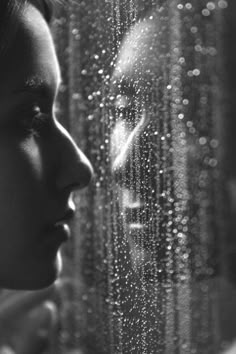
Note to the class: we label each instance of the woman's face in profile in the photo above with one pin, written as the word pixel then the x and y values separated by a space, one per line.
pixel 40 164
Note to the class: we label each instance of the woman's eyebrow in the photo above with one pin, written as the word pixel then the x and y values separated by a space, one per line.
pixel 37 86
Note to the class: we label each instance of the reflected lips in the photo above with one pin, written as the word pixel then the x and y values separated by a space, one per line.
pixel 135 212
pixel 135 222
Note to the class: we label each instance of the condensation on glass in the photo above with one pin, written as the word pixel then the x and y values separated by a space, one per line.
pixel 146 95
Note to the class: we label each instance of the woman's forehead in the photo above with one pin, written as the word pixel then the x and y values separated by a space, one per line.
pixel 32 52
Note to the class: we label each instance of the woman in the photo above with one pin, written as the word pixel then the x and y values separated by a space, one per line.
pixel 40 163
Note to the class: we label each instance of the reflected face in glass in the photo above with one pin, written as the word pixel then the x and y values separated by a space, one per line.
pixel 40 163
pixel 136 86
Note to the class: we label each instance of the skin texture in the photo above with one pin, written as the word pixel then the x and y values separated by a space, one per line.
pixel 40 163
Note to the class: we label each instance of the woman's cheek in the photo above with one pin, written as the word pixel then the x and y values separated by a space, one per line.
pixel 32 154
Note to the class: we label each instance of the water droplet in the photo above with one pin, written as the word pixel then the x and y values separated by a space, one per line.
pixel 75 31
pixel 211 6
pixel 206 12
pixel 188 6
pixel 213 162
pixel 189 123
pixel 223 4
pixel 193 29
pixel 214 143
pixel 185 101
pixel 202 140
pixel 196 72
pixel 180 6
pixel 182 60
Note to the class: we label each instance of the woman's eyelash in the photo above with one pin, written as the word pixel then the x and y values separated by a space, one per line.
pixel 31 120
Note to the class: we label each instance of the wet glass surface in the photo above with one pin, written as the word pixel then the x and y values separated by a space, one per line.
pixel 154 244
pixel 148 94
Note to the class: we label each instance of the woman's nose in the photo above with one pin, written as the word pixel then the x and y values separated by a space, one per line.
pixel 75 170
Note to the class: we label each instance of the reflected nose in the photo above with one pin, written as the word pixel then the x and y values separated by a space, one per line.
pixel 75 170
pixel 123 160
pixel 130 161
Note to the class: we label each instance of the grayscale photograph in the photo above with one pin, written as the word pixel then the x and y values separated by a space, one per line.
pixel 117 177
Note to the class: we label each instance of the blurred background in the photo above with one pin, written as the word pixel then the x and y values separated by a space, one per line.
pixel 149 94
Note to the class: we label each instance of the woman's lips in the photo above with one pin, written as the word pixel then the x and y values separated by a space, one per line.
pixel 59 228
pixel 57 234
pixel 61 222
pixel 59 231
pixel 52 239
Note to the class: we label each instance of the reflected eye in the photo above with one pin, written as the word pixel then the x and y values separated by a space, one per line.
pixel 128 114
pixel 126 110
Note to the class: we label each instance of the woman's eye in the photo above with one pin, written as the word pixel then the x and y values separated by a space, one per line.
pixel 33 122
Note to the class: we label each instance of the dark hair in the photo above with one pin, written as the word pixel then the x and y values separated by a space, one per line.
pixel 8 10
pixel 46 7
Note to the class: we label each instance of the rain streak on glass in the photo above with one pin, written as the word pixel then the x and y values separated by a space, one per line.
pixel 144 97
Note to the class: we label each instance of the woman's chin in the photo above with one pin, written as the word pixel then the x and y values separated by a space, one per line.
pixel 37 276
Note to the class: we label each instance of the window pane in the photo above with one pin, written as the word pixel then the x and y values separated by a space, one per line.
pixel 148 94
pixel 154 246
